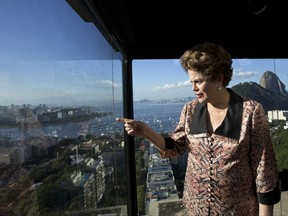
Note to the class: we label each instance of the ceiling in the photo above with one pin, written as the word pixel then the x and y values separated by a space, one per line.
pixel 164 29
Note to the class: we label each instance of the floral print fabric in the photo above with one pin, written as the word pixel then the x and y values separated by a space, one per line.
pixel 231 171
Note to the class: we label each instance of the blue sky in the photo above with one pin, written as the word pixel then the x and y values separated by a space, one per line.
pixel 166 79
pixel 48 53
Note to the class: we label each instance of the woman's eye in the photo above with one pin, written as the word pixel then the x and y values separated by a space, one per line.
pixel 198 82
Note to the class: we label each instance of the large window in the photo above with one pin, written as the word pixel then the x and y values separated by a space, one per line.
pixel 61 90
pixel 61 150
pixel 162 87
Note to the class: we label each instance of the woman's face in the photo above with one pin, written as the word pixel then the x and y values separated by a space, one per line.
pixel 206 91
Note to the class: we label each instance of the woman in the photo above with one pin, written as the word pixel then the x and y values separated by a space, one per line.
pixel 231 167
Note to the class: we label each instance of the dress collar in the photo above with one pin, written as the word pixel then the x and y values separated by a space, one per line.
pixel 231 125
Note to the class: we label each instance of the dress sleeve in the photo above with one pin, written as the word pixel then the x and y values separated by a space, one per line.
pixel 176 144
pixel 263 159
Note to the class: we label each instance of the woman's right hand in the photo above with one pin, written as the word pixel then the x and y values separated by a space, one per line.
pixel 133 127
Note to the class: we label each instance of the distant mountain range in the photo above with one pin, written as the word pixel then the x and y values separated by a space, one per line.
pixel 270 91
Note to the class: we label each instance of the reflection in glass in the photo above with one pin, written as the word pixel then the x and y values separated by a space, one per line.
pixel 61 90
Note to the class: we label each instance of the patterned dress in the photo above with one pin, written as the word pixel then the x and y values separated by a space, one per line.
pixel 234 169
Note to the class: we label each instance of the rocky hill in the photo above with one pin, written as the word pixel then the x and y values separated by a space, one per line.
pixel 271 82
pixel 270 91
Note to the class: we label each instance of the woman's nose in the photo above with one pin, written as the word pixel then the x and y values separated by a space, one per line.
pixel 194 87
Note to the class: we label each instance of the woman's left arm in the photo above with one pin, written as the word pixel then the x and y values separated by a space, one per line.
pixel 263 161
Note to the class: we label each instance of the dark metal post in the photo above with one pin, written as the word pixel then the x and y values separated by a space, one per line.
pixel 132 208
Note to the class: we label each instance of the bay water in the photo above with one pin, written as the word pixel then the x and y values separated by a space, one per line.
pixel 161 116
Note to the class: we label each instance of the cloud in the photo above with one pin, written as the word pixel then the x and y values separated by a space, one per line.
pixel 245 74
pixel 106 84
pixel 173 86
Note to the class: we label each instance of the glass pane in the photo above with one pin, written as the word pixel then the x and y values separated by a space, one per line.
pixel 162 87
pixel 60 148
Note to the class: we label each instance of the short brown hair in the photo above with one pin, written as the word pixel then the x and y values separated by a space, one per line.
pixel 209 59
